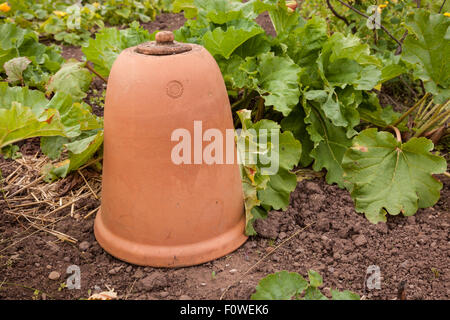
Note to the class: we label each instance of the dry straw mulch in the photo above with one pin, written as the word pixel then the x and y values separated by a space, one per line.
pixel 38 205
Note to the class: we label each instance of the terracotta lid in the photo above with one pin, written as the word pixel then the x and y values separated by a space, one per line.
pixel 164 45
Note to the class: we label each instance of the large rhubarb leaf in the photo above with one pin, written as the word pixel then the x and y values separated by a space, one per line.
pixel 19 122
pixel 53 146
pixel 427 47
pixel 187 6
pixel 281 184
pixel 76 116
pixel 220 42
pixel 339 106
pixel 391 176
pixel 216 11
pixel 23 45
pixel 223 11
pixel 32 98
pixel 71 79
pixel 284 20
pixel 276 79
pixel 27 113
pixel 345 68
pixel 109 42
pixel 278 82
pixel 347 61
pixel 330 144
pixel 305 42
pixel 15 67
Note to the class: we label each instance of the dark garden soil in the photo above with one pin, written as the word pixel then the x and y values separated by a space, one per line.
pixel 413 252
pixel 165 21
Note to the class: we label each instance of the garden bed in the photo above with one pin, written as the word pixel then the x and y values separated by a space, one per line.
pixel 320 230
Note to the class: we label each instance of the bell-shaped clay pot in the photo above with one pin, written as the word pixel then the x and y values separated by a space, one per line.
pixel 156 212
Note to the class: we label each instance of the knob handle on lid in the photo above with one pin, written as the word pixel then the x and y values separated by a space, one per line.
pixel 164 45
pixel 164 37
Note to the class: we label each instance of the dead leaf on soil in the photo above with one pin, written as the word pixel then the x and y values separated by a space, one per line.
pixel 105 295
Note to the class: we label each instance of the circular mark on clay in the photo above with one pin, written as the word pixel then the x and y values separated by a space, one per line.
pixel 174 89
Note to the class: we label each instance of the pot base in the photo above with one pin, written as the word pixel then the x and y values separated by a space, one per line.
pixel 169 256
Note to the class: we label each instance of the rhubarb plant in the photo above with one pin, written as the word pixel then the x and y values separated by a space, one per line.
pixel 72 79
pixel 73 24
pixel 26 113
pixel 320 87
pixel 25 61
pixel 117 12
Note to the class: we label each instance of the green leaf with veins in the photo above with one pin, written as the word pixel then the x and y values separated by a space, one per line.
pixel 24 44
pixel 346 68
pixel 330 144
pixel 252 179
pixel 72 79
pixel 109 43
pixel 285 152
pixel 393 176
pixel 305 42
pixel 187 6
pixel 427 47
pixel 346 61
pixel 254 46
pixel 282 285
pixel 82 150
pixel 391 71
pixel 223 11
pixel 53 146
pixel 276 79
pixel 220 42
pixel 13 36
pixel 19 123
pixel 283 20
pixel 232 74
pixel 15 67
pixel 279 188
pixel 57 117
pixel 76 116
pixel 32 98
